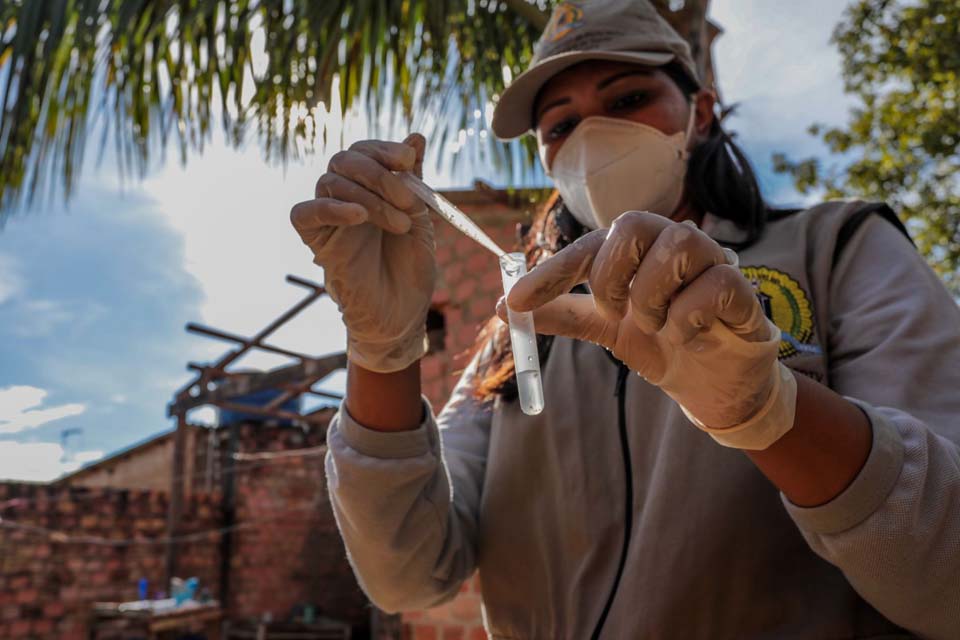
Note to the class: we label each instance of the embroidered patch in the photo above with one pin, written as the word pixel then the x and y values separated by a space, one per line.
pixel 785 302
pixel 566 17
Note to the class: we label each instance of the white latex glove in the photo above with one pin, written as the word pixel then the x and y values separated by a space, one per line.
pixel 667 304
pixel 374 239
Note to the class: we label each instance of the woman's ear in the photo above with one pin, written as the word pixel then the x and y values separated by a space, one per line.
pixel 704 102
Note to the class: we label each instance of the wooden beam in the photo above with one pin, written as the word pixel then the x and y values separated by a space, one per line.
pixel 241 385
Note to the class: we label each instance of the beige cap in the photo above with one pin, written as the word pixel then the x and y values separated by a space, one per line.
pixel 621 30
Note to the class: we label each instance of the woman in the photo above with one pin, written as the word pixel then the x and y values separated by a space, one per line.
pixel 625 509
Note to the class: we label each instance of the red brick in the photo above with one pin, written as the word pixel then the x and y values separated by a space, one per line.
pixel 466 335
pixel 20 629
pixel 425 632
pixel 463 245
pixel 482 262
pixel 444 254
pixel 467 608
pixel 42 627
pixel 27 596
pixel 454 633
pixel 431 366
pixel 54 609
pixel 478 633
pixel 465 289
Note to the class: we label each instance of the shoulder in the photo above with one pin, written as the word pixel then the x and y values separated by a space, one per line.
pixel 835 216
pixel 830 226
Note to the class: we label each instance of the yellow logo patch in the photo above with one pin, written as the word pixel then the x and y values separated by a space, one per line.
pixel 786 304
pixel 566 17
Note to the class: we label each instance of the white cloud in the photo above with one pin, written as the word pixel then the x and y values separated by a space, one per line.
pixel 19 409
pixel 11 282
pixel 39 461
pixel 776 59
pixel 232 209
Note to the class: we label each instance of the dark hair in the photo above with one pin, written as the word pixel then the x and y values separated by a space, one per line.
pixel 719 180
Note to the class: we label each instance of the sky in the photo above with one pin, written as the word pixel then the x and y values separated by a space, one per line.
pixel 94 295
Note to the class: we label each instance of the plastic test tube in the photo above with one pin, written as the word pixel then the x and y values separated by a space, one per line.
pixel 523 339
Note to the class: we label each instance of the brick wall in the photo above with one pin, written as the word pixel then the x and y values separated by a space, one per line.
pixel 294 555
pixel 48 580
pixel 286 550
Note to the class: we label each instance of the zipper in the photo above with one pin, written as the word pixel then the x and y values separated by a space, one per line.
pixel 628 497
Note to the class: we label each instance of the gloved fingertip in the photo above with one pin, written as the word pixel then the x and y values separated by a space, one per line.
pixel 415 140
pixel 409 158
pixel 399 223
pixel 517 300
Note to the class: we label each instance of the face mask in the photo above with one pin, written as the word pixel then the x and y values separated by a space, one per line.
pixel 610 165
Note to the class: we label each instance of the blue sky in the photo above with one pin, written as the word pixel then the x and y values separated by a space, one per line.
pixel 94 295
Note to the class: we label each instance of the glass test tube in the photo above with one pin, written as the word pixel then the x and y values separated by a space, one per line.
pixel 523 339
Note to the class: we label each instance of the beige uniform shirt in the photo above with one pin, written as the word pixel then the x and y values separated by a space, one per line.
pixel 713 550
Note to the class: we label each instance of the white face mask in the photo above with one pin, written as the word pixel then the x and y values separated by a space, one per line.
pixel 610 165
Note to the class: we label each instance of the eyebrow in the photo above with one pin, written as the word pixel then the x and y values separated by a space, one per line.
pixel 603 84
pixel 624 74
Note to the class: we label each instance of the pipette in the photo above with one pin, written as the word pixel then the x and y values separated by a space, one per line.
pixel 449 211
pixel 523 336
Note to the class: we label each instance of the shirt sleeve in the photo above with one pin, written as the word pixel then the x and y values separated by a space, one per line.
pixel 895 352
pixel 407 502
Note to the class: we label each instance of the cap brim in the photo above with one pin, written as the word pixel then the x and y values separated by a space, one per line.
pixel 513 114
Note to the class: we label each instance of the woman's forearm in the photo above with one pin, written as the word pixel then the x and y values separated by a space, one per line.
pixel 826 449
pixel 385 401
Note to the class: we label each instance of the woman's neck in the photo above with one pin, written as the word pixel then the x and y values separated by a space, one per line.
pixel 686 211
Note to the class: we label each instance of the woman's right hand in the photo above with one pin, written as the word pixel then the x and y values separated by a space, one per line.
pixel 374 239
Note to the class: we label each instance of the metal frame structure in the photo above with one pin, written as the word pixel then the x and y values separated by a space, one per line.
pixel 214 386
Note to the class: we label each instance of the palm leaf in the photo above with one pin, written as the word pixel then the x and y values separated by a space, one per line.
pixel 156 72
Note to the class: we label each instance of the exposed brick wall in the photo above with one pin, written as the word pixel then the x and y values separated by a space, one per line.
pixel 47 581
pixel 468 287
pixel 294 555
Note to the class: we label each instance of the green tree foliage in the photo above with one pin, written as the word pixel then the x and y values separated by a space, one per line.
pixel 901 61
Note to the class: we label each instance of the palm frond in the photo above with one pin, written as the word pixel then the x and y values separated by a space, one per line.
pixel 152 73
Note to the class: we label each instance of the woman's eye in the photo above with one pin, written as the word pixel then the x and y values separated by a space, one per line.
pixel 629 101
pixel 562 128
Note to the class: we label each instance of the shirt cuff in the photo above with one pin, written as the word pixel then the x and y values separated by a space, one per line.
pixel 869 489
pixel 388 444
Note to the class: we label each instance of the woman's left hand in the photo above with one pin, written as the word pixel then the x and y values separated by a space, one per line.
pixel 666 302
